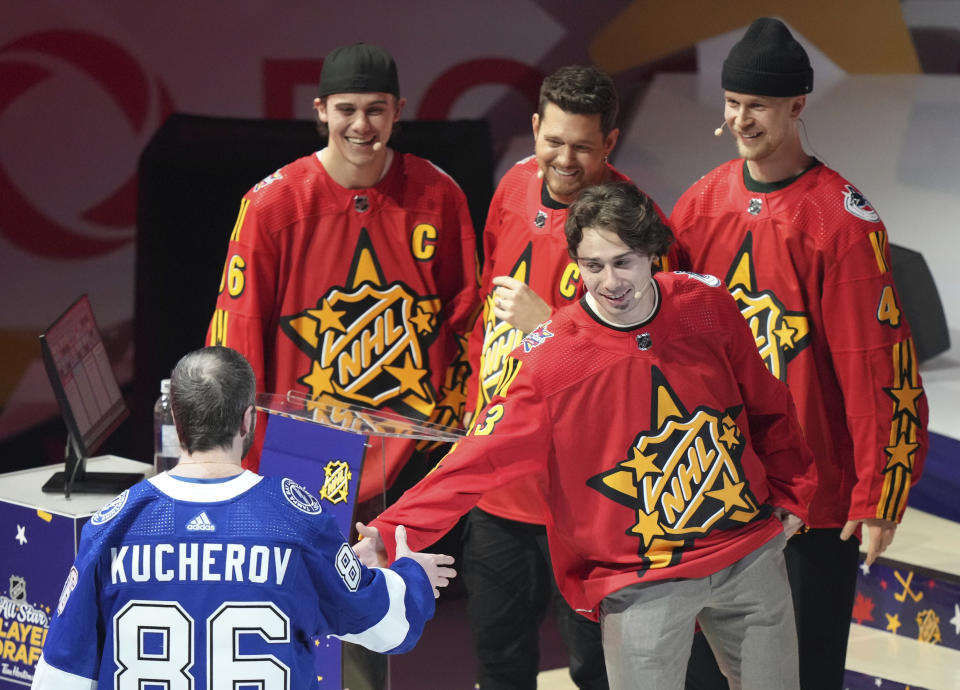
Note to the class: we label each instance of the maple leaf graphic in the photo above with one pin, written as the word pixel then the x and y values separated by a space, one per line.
pixel 863 609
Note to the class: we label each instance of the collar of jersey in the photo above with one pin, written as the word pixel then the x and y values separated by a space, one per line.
pixel 588 302
pixel 181 489
pixel 549 201
pixel 768 187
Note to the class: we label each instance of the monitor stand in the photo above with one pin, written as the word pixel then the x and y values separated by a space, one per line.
pixel 75 478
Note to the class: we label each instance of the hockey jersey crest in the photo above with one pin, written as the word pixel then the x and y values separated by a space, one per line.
pixel 368 341
pixel 682 477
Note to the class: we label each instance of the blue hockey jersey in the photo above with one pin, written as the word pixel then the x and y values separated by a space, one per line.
pixel 218 584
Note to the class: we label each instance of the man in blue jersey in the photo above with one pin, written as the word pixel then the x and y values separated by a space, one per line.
pixel 210 575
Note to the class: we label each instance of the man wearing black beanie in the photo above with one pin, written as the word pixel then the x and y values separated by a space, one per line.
pixel 805 255
pixel 329 249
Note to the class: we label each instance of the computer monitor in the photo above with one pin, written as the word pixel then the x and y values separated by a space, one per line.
pixel 89 397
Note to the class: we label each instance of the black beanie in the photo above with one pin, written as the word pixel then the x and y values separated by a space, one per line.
pixel 360 68
pixel 767 61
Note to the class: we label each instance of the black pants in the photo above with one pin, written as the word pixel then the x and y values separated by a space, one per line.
pixel 823 580
pixel 509 582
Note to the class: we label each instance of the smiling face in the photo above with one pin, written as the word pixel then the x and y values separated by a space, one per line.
pixel 571 151
pixel 357 122
pixel 613 273
pixel 762 125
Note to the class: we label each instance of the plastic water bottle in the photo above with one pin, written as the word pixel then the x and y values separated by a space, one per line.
pixel 166 444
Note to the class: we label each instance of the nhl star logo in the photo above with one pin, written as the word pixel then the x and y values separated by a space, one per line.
pixel 681 478
pixel 361 204
pixel 368 341
pixel 336 485
pixel 755 206
pixel 18 589
pixel 541 219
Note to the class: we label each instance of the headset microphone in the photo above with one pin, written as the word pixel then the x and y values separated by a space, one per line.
pixel 378 145
pixel 719 130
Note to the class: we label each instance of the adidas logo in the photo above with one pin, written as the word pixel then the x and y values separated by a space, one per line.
pixel 201 523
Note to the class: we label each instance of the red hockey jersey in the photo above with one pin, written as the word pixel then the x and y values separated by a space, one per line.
pixel 809 267
pixel 659 449
pixel 524 239
pixel 358 295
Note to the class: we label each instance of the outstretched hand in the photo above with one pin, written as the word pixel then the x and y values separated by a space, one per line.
pixel 880 534
pixel 373 554
pixel 370 549
pixel 435 564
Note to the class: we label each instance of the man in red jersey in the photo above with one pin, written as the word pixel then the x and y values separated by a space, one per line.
pixel 351 273
pixel 526 274
pixel 662 449
pixel 805 256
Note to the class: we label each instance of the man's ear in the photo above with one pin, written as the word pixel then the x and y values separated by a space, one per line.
pixel 320 105
pixel 797 106
pixel 248 420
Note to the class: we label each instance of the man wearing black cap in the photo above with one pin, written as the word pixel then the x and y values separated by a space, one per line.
pixel 351 272
pixel 806 257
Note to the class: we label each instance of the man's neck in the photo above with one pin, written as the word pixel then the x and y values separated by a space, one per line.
pixel 352 176
pixel 789 160
pixel 209 464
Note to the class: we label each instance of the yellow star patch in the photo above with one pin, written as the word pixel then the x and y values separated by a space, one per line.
pixel 906 398
pixel 785 335
pixel 648 526
pixel 893 622
pixel 901 454
pixel 641 464
pixel 319 379
pixel 328 317
pixel 423 321
pixel 731 494
pixel 409 376
pixel 729 435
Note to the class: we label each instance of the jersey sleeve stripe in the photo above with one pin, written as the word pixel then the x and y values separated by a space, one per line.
pixel 903 439
pixel 878 240
pixel 394 626
pixel 235 235
pixel 47 677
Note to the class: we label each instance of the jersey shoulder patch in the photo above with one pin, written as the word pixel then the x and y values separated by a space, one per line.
pixel 705 278
pixel 537 337
pixel 300 497
pixel 856 204
pixel 111 509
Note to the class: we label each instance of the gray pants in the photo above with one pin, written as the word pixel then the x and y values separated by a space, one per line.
pixel 746 614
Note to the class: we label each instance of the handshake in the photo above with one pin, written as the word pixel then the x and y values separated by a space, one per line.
pixel 373 554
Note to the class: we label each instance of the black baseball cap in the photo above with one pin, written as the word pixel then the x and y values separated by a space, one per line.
pixel 359 68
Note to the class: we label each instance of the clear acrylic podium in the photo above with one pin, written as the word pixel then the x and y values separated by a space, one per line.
pixel 325 445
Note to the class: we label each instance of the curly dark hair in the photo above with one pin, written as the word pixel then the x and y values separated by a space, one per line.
pixel 621 208
pixel 581 90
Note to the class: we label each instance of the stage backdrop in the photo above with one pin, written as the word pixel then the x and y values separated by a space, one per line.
pixel 84 85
